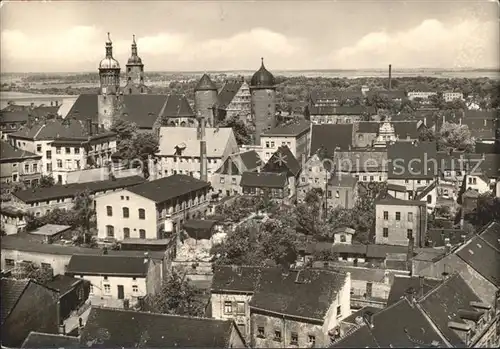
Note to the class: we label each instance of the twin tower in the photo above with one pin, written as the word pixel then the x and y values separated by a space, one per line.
pixel 262 100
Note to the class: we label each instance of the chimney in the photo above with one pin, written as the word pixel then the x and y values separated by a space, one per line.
pixel 89 127
pixel 203 150
pixel 390 76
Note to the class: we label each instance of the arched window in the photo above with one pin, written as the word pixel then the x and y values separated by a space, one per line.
pixel 183 124
pixel 142 213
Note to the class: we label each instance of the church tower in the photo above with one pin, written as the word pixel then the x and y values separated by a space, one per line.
pixel 205 97
pixel 135 73
pixel 263 96
pixel 109 76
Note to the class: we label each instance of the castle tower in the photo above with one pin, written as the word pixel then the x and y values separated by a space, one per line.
pixel 263 96
pixel 109 75
pixel 205 97
pixel 135 72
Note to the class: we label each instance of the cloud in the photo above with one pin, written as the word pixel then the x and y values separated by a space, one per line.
pixel 468 43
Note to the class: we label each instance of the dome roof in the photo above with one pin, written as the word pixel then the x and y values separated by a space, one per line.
pixel 109 63
pixel 205 84
pixel 134 60
pixel 262 77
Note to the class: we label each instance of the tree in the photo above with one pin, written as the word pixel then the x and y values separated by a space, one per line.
pixel 242 132
pixel 437 101
pixel 176 296
pixel 456 137
pixel 426 135
pixel 487 210
pixel 124 129
pixel 46 181
pixel 28 270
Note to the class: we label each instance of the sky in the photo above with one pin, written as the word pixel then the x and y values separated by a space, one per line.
pixel 69 36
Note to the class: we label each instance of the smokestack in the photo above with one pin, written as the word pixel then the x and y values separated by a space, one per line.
pixel 390 76
pixel 203 150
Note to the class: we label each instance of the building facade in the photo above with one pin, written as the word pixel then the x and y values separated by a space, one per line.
pixel 135 73
pixel 205 99
pixel 296 136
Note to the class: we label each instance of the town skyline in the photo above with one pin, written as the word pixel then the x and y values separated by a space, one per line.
pixel 212 36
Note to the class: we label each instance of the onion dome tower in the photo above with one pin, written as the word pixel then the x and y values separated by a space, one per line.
pixel 205 97
pixel 109 71
pixel 135 72
pixel 263 96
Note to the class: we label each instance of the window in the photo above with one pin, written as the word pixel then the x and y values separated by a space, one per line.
pixel 109 210
pixel 386 215
pixel 342 238
pixel 277 336
pixel 312 339
pixel 474 180
pixel 91 289
pixel 385 232
pixel 337 194
pixel 9 262
pixel 410 216
pixel 35 167
pixel 272 144
pixel 77 150
pixel 110 231
pixel 38 148
pixel 260 332
pixel 429 199
pixel 233 181
pixel 228 307
pixel 398 216
pixel 68 150
pixel 222 180
pixel 125 212
pixel 107 288
pixel 303 179
pixel 294 338
pixel 135 288
pixel 59 163
pixel 26 168
pixel 68 164
pixel 49 167
pixel 409 233
pixel 142 233
pixel 58 150
pixel 240 308
pixel 126 233
pixel 142 213
pixel 267 144
pixel 339 311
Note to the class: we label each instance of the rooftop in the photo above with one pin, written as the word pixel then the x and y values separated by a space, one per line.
pixel 11 291
pixel 331 138
pixel 63 283
pixel 402 285
pixel 167 188
pixel 107 265
pixel 50 229
pixel 283 160
pixel 412 160
pixel 132 329
pixel 389 200
pixel 263 180
pixel 291 129
pixel 36 340
pixel 10 153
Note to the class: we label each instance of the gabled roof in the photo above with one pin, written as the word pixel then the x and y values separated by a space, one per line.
pixel 216 139
pixel 403 285
pixel 142 109
pixel 107 265
pixel 406 129
pixel 235 278
pixel 63 283
pixel 263 180
pixel 436 236
pixel 283 161
pixel 481 255
pixel 199 228
pixel 446 302
pixel 227 93
pixel 205 84
pixel 368 127
pixel 85 107
pixel 12 290
pixel 343 181
pixel 360 337
pixel 389 200
pixel 166 188
pixel 304 293
pixel 291 129
pixel 10 153
pixel 132 329
pixel 70 190
pixel 36 340
pixel 331 136
pixel 177 106
pixel 236 164
pixel 422 195
pixel 361 160
pixel 412 160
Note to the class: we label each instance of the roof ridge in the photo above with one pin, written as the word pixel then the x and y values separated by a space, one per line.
pixel 438 286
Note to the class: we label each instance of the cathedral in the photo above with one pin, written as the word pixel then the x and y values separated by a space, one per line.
pixel 254 103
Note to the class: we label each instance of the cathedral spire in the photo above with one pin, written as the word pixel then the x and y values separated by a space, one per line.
pixel 109 47
pixel 134 46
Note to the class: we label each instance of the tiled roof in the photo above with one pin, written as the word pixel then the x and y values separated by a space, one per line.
pixel 482 114
pixel 177 106
pixel 436 236
pixel 235 278
pixel 395 187
pixel 69 190
pixel 199 228
pixel 341 110
pixel 351 319
pixel 490 165
pixel 406 129
pixel 445 303
pixel 421 195
pixel 307 292
pixel 250 159
pixel 227 93
pixel 132 329
pixel 205 84
pixel 63 283
pixel 107 265
pixel 143 109
pixel 292 129
pixel 368 127
pixel 263 180
pixel 412 160
pixel 283 161
pixel 163 189
pixel 331 136
pixel 361 337
pixel 491 234
pixel 9 153
pixel 389 200
pixel 482 256
pixel 217 140
pixel 230 167
pixel 236 164
pixel 361 160
pixel 402 285
pixel 481 128
pixel 85 107
pixel 36 340
pixel 12 290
